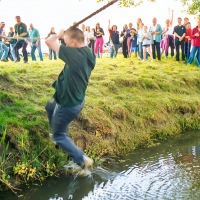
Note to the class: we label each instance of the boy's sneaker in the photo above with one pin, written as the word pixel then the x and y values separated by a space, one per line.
pixel 87 162
pixel 86 167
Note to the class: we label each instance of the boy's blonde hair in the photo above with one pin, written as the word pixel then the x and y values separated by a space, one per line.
pixel 75 33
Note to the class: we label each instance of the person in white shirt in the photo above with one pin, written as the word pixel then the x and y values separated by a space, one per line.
pixel 156 33
pixel 90 37
pixel 168 37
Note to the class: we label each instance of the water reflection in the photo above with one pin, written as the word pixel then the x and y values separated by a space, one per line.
pixel 168 171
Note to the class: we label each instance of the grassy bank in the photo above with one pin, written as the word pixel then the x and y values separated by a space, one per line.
pixel 129 104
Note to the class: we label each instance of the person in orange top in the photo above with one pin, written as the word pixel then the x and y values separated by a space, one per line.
pixel 188 37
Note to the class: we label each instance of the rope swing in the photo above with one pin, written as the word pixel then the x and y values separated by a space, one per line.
pixel 94 13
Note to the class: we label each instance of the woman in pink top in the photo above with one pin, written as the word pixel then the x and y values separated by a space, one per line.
pixel 99 40
pixel 195 44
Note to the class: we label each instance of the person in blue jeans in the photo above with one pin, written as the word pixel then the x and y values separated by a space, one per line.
pixel 134 43
pixel 70 87
pixel 3 48
pixel 21 35
pixel 114 40
pixel 12 43
pixel 195 45
pixel 35 42
pixel 39 49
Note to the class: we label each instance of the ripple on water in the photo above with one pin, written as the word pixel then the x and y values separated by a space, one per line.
pixel 163 178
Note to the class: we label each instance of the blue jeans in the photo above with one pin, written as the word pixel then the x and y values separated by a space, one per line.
pixel 33 48
pixel 4 50
pixel 114 50
pixel 39 49
pixel 12 51
pixel 59 119
pixel 21 44
pixel 187 49
pixel 192 55
pixel 140 50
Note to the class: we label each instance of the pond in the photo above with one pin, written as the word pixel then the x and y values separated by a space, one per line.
pixel 170 170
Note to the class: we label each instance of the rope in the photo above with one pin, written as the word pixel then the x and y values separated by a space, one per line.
pixel 74 25
pixel 94 13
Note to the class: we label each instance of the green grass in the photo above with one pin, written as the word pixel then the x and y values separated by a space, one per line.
pixel 129 104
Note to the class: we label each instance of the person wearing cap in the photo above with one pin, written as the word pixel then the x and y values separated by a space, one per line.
pixel 3 48
pixel 20 33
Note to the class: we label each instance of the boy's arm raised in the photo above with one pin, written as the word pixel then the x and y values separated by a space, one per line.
pixel 52 43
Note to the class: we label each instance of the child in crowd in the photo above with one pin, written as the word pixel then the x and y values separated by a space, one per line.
pixel 133 43
pixel 139 40
pixel 146 43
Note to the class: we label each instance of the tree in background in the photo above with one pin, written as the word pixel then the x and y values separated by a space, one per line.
pixel 192 7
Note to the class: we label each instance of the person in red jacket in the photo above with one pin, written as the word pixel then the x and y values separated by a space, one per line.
pixel 195 45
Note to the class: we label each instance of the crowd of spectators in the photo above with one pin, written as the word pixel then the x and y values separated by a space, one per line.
pixel 181 41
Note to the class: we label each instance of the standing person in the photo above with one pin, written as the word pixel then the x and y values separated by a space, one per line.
pixel 35 38
pixel 179 32
pixel 128 35
pixel 139 20
pixel 114 39
pixel 146 43
pixel 20 33
pixel 70 86
pixel 124 42
pixel 156 32
pixel 168 38
pixel 185 21
pixel 90 37
pixel 39 49
pixel 99 32
pixel 85 34
pixel 3 48
pixel 51 51
pixel 139 40
pixel 134 43
pixel 12 43
pixel 195 44
pixel 188 35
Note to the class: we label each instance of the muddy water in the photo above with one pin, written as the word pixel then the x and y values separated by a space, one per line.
pixel 168 171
